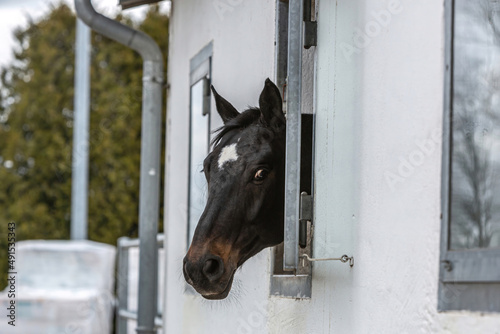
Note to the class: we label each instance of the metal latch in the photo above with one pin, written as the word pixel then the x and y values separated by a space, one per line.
pixel 305 215
pixel 344 258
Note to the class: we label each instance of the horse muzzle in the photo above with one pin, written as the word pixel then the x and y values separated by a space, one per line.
pixel 208 276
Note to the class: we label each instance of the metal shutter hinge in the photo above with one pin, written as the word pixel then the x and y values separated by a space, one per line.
pixel 310 34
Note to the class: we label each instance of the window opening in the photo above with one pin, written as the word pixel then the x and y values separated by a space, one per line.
pixel 199 134
pixel 470 230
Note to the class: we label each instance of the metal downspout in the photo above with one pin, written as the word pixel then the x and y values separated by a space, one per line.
pixel 150 153
pixel 80 154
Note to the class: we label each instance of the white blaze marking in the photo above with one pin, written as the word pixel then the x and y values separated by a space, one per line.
pixel 227 154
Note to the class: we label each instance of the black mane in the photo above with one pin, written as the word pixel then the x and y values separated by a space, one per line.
pixel 243 120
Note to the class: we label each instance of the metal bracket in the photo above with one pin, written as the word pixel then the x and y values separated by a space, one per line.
pixel 306 206
pixel 305 215
pixel 344 258
pixel 310 34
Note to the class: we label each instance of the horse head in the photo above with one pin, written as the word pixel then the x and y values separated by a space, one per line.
pixel 244 210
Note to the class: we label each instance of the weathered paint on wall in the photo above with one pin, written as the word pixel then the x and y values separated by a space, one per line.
pixel 378 104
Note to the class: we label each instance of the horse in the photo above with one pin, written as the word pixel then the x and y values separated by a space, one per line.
pixel 244 212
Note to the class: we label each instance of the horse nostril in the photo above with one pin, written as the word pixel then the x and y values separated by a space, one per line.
pixel 213 268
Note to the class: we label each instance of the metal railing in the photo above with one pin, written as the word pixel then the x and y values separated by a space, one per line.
pixel 123 313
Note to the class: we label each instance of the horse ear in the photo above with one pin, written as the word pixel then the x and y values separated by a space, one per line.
pixel 271 105
pixel 224 108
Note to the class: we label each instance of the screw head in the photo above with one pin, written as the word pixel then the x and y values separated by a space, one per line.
pixel 447 265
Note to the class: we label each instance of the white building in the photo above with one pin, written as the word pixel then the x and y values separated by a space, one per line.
pixel 377 82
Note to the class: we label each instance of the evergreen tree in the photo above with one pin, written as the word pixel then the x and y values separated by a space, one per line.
pixel 36 120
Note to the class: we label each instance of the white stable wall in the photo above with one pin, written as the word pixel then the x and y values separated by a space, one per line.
pixel 378 168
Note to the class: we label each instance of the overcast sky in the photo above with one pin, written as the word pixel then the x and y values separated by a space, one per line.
pixel 13 14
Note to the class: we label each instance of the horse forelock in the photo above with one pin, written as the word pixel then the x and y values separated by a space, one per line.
pixel 243 120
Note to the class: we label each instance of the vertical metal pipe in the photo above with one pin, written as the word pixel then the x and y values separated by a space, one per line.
pixel 293 132
pixel 122 285
pixel 80 157
pixel 149 198
pixel 150 153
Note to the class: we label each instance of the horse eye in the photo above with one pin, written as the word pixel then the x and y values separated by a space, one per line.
pixel 260 175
